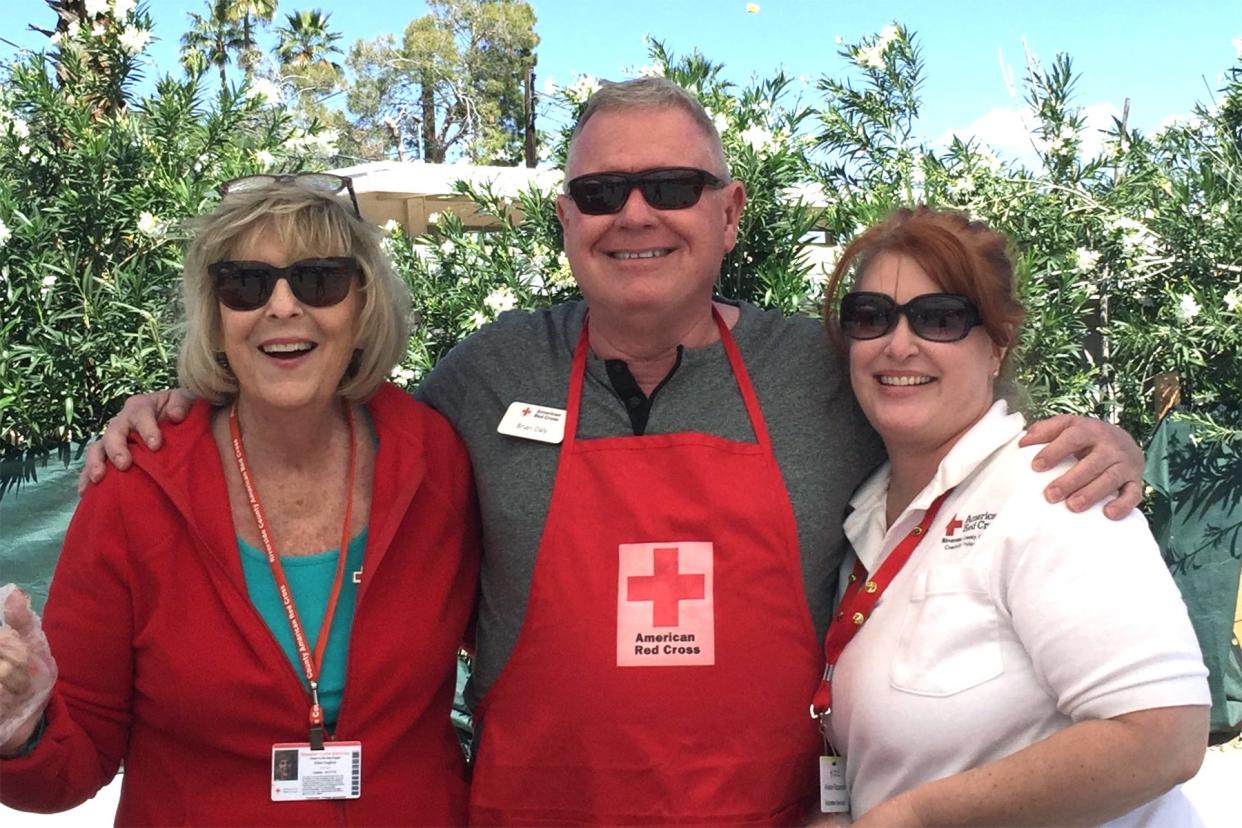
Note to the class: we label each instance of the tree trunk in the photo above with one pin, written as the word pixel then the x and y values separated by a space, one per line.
pixel 431 150
pixel 528 120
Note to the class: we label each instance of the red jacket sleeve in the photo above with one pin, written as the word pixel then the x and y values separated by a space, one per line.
pixel 89 624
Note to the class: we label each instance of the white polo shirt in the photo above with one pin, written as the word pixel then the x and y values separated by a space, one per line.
pixel 1013 619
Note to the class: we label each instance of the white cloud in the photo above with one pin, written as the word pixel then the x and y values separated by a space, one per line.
pixel 1009 131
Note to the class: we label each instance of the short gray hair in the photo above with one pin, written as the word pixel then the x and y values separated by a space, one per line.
pixel 652 93
pixel 309 223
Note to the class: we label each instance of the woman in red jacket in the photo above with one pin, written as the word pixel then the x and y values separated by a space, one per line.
pixel 262 622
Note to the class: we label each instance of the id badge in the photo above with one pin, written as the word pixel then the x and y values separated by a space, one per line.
pixel 834 797
pixel 533 422
pixel 299 773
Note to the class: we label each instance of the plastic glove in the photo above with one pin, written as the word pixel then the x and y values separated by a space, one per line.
pixel 27 669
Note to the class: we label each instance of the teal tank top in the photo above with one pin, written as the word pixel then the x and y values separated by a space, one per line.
pixel 310 579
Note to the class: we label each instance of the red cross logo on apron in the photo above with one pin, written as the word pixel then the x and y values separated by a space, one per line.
pixel 666 588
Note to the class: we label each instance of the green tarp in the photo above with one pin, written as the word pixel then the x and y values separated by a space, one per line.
pixel 36 503
pixel 1196 515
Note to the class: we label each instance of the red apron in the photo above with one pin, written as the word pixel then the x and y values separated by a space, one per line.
pixel 667 654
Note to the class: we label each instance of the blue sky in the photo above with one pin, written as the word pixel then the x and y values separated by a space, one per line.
pixel 1163 55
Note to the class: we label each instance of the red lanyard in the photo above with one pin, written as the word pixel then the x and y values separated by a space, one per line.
pixel 859 600
pixel 311 663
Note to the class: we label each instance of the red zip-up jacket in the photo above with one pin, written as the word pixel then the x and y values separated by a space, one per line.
pixel 166 664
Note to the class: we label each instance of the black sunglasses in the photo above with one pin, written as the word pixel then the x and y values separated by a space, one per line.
pixel 244 286
pixel 329 183
pixel 666 188
pixel 938 317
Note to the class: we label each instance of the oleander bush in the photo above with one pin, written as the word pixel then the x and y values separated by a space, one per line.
pixel 1131 261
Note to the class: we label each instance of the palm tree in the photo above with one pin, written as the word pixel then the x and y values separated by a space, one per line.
pixel 212 39
pixel 248 13
pixel 307 40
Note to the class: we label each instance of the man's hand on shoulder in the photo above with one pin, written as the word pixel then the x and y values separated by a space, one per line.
pixel 1110 463
pixel 141 414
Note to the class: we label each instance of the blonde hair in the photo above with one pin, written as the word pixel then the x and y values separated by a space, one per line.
pixel 308 223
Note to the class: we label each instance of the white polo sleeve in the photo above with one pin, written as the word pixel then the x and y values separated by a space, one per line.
pixel 1094 605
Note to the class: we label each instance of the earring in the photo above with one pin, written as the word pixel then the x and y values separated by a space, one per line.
pixel 222 360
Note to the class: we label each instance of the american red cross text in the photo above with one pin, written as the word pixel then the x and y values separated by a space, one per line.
pixel 666 588
pixel 953 525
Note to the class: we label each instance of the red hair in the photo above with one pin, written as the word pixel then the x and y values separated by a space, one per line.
pixel 958 254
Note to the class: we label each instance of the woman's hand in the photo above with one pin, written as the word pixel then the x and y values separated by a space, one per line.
pixel 142 414
pixel 27 671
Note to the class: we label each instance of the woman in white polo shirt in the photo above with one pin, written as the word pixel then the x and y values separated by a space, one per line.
pixel 1025 664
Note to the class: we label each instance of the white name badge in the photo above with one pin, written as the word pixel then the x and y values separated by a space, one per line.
pixel 533 422
pixel 299 773
pixel 834 797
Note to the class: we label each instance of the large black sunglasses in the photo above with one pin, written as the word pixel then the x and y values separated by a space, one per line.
pixel 244 286
pixel 938 317
pixel 665 188
pixel 329 183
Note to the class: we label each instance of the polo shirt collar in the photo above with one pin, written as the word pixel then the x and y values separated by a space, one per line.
pixel 865 524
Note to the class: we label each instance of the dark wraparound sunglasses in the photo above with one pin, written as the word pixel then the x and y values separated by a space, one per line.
pixel 666 188
pixel 328 183
pixel 938 317
pixel 319 283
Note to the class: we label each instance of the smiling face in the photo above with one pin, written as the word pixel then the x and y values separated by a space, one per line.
pixel 286 354
pixel 920 396
pixel 643 261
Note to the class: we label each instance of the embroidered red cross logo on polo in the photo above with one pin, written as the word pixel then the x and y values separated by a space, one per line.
pixel 665 604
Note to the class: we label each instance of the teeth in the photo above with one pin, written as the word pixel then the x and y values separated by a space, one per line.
pixel 885 380
pixel 287 347
pixel 639 254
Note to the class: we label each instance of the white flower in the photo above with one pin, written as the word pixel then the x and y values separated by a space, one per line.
pixel 871 57
pixel 651 70
pixel 720 121
pixel 1233 300
pixel 887 35
pixel 401 375
pixel 20 128
pixel 55 38
pixel 98 30
pixel 477 320
pixel 133 40
pixel 752 8
pixel 5 233
pixel 266 89
pixel 75 28
pixel 149 225
pixel 583 88
pixel 391 226
pixel 838 40
pixel 500 300
pixel 265 158
pixel 433 218
pixel 1085 259
pixel 1223 208
pixel 962 186
pixel 96 7
pixel 122 8
pixel 45 288
pixel 1187 308
pixel 757 137
pixel 448 248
